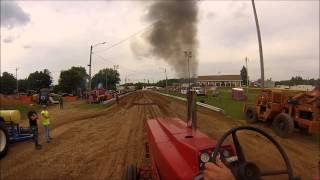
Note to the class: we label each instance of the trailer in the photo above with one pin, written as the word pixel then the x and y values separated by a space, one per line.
pixel 11 131
pixel 238 94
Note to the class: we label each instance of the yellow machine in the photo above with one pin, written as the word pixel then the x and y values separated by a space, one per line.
pixel 10 131
pixel 10 116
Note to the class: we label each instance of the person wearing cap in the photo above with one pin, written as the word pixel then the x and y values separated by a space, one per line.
pixel 46 123
pixel 33 122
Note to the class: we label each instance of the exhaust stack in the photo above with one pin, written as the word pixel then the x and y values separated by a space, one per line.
pixel 192 109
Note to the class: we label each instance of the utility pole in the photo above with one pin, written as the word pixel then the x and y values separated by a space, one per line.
pixel 90 68
pixel 165 71
pixel 90 64
pixel 125 79
pixel 116 67
pixel 106 79
pixel 188 55
pixel 260 44
pixel 247 74
pixel 17 81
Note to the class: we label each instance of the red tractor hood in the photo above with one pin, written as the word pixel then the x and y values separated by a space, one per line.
pixel 175 148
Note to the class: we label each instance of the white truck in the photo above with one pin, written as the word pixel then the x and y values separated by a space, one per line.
pixel 199 90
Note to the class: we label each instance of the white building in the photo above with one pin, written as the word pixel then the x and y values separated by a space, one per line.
pixel 219 81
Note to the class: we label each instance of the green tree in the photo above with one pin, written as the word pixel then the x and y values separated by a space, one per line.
pixel 72 79
pixel 170 82
pixel 56 88
pixel 140 85
pixel 244 75
pixel 8 83
pixel 296 81
pixel 299 81
pixel 23 85
pixel 39 79
pixel 107 74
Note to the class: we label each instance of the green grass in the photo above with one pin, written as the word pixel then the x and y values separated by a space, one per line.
pixel 232 108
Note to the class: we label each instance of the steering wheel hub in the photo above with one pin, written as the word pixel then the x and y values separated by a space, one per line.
pixel 249 170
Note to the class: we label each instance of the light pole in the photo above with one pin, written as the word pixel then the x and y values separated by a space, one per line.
pixel 188 55
pixel 115 68
pixel 247 74
pixel 260 44
pixel 106 79
pixel 90 62
pixel 165 71
pixel 17 81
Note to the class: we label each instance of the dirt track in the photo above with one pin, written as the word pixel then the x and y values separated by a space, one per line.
pixel 90 144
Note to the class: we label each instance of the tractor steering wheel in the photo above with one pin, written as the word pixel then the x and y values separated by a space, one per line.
pixel 245 170
pixel 249 170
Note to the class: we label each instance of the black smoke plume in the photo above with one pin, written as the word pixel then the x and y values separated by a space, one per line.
pixel 174 31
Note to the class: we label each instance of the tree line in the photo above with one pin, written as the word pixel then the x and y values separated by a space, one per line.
pixel 298 80
pixel 70 81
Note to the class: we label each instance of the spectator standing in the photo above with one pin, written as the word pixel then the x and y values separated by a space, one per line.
pixel 33 122
pixel 46 123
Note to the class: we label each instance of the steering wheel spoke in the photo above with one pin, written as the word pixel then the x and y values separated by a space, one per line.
pixel 240 154
pixel 273 173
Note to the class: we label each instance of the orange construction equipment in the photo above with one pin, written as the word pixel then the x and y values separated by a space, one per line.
pixel 287 111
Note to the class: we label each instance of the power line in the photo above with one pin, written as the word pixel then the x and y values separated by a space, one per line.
pixel 127 38
pixel 122 67
pixel 107 60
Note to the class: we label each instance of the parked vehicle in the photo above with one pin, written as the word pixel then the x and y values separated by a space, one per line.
pixel 99 95
pixel 183 91
pixel 287 111
pixel 199 90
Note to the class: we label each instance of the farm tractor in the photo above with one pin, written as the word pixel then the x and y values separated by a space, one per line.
pixel 10 131
pixel 99 95
pixel 178 150
pixel 45 97
pixel 287 111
